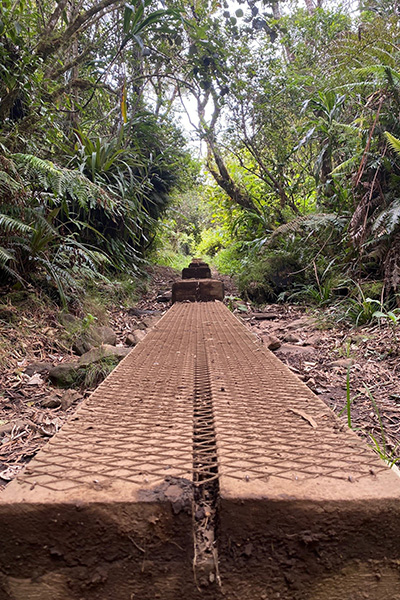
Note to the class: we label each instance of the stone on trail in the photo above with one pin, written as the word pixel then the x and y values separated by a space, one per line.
pixel 104 351
pixel 135 337
pixel 64 375
pixel 93 337
pixel 264 316
pixel 164 296
pixel 68 374
pixel 271 342
pixel 42 368
pixel 343 362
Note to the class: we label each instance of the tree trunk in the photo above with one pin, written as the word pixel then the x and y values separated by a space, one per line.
pixel 310 6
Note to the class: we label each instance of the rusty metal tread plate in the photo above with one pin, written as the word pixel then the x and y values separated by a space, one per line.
pixel 274 436
pixel 135 430
pixel 200 412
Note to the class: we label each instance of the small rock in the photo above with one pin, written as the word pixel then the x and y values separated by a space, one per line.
pixel 92 338
pixel 51 402
pixel 103 335
pixel 343 362
pixel 42 368
pixel 291 338
pixel 297 349
pixel 150 321
pixel 69 397
pixel 314 340
pixel 139 334
pixel 135 337
pixel 130 340
pixel 69 321
pixel 64 375
pixel 267 316
pixel 138 312
pixel 96 354
pixel 81 345
pixel 299 323
pixel 271 342
pixel 164 297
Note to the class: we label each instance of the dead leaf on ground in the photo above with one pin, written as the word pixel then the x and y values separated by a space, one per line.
pixel 35 380
pixel 11 472
pixel 304 416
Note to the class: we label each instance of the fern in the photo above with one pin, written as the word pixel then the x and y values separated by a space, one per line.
pixel 5 256
pixel 388 219
pixel 60 181
pixel 312 222
pixel 10 224
pixel 384 72
pixel 393 142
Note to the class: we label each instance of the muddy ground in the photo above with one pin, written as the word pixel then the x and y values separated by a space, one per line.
pixel 319 352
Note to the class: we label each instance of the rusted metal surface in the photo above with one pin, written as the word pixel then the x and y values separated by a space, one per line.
pixel 196 272
pixel 200 441
pixel 197 290
pixel 136 427
pixel 269 425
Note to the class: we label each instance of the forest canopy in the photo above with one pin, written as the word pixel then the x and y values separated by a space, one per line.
pixel 296 105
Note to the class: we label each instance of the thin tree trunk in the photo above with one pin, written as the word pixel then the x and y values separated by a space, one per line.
pixel 310 6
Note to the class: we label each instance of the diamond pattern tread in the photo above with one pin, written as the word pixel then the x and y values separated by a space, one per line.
pixel 107 508
pixel 134 430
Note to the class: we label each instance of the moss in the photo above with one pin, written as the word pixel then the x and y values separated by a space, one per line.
pixel 372 289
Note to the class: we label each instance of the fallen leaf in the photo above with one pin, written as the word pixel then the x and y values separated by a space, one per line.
pixel 35 380
pixel 304 416
pixel 10 472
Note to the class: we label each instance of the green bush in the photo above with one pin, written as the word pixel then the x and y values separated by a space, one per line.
pixel 265 279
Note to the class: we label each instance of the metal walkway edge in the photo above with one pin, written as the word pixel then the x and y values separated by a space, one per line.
pixel 202 468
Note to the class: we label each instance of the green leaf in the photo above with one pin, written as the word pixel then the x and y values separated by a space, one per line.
pixel 394 142
pixel 127 17
pixel 379 315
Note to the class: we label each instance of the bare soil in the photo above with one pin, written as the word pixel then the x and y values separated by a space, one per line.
pixel 319 353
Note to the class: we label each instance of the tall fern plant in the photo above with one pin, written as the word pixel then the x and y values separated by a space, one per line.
pixel 39 237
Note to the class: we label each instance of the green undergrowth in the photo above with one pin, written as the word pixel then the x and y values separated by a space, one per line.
pixel 94 373
pixel 379 445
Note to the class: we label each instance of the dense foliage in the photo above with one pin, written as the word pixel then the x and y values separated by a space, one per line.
pixel 87 158
pixel 297 108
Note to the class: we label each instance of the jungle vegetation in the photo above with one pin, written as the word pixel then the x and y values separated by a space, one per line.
pixel 296 105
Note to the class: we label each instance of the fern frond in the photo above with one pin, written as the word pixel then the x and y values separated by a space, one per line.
pixel 312 222
pixel 10 224
pixel 394 142
pixel 61 182
pixel 5 256
pixel 384 72
pixel 388 219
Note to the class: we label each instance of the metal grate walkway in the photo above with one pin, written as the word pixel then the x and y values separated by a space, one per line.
pixel 202 468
